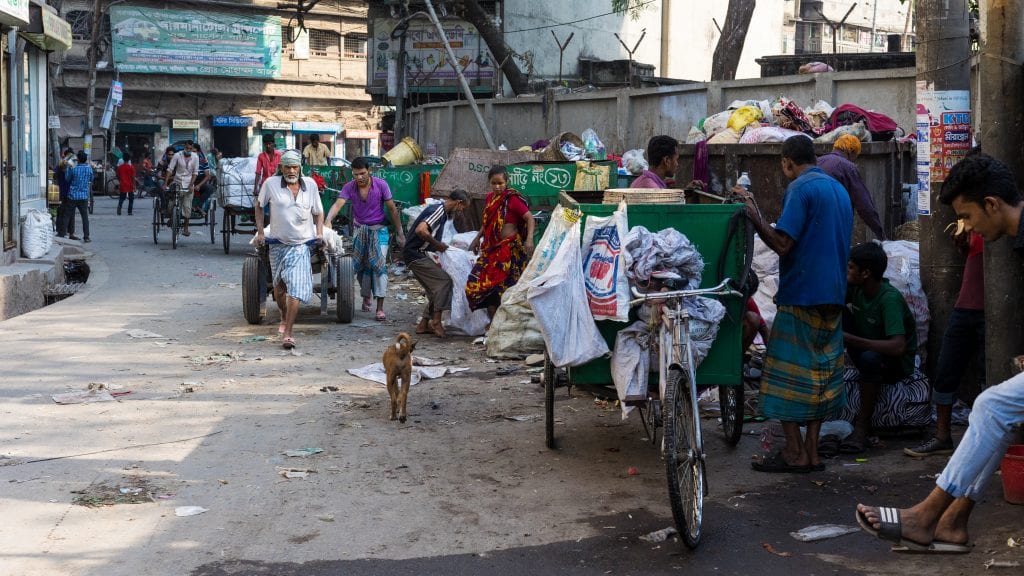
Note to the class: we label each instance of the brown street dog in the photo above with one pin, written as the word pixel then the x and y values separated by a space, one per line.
pixel 398 365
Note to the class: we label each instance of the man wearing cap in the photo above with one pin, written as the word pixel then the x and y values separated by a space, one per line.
pixel 297 217
pixel 839 164
pixel 267 161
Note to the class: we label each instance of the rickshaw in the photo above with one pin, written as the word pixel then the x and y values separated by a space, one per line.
pixel 167 213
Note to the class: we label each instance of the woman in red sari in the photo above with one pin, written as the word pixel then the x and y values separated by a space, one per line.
pixel 505 243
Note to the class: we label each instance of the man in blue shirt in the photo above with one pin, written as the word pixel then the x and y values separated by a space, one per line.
pixel 80 177
pixel 802 380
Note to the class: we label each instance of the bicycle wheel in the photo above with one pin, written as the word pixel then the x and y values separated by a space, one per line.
pixel 730 400
pixel 549 377
pixel 156 219
pixel 684 460
pixel 211 220
pixel 227 225
pixel 175 224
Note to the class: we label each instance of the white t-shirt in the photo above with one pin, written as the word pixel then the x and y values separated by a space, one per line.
pixel 184 169
pixel 291 219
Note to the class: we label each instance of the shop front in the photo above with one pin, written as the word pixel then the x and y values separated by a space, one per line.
pixel 184 129
pixel 361 143
pixel 137 140
pixel 281 131
pixel 231 135
pixel 12 13
pixel 327 132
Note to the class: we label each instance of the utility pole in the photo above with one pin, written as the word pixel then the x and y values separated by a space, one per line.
pixel 1001 121
pixel 90 100
pixel 944 72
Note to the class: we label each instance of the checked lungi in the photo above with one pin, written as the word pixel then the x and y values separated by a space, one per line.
pixel 803 368
pixel 370 260
pixel 290 264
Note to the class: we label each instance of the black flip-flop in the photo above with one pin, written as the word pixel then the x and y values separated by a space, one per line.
pixel 891 529
pixel 828 446
pixel 776 464
pixel 849 446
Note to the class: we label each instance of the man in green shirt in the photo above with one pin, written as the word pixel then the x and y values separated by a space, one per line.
pixel 879 331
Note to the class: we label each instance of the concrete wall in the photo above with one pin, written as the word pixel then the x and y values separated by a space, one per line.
pixel 626 119
pixel 22 283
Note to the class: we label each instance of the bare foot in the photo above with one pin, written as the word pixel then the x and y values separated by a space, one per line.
pixel 423 327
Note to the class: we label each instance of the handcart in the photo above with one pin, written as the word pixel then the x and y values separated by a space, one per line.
pixel 236 194
pixel 722 236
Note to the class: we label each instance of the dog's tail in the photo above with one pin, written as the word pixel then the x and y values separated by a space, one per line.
pixel 403 342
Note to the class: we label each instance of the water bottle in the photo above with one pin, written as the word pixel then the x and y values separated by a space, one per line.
pixel 744 181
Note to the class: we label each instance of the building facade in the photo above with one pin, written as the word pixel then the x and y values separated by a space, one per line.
pixel 222 73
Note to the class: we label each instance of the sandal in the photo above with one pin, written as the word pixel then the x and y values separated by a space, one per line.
pixel 381 316
pixel 852 446
pixel 828 446
pixel 367 302
pixel 775 463
pixel 288 343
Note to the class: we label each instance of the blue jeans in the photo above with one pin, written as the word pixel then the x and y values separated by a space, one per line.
pixel 964 337
pixel 979 454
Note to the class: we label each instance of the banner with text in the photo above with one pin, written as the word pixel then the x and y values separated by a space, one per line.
pixel 193 42
pixel 427 63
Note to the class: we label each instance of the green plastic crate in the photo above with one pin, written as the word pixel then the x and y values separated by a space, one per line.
pixel 706 225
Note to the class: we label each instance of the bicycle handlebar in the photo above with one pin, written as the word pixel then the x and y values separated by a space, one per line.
pixel 721 290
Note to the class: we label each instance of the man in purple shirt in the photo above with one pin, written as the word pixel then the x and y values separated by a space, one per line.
pixel 663 157
pixel 839 165
pixel 369 196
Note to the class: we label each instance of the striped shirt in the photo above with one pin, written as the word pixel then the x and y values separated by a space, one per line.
pixel 435 218
pixel 81 181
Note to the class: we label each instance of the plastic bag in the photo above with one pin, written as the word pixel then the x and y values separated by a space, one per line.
pixel 605 264
pixel 631 363
pixel 766 265
pixel 727 136
pixel 716 123
pixel 695 135
pixel 743 117
pixel 36 234
pixel 904 273
pixel 559 300
pixel 592 145
pixel 858 130
pixel 458 264
pixel 514 330
pixel 763 134
pixel 634 162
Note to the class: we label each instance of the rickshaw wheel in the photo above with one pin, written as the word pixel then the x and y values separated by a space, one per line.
pixel 684 463
pixel 549 402
pixel 156 219
pixel 226 226
pixel 211 219
pixel 175 223
pixel 730 399
pixel 254 290
pixel 344 273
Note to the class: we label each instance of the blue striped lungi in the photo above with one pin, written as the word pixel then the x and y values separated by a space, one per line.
pixel 803 368
pixel 290 264
pixel 370 260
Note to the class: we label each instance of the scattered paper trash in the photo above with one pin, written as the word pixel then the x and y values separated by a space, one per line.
pixel 1014 543
pixel 401 296
pixel 189 510
pixel 329 389
pixel 992 563
pixel 292 473
pixel 326 518
pixel 521 418
pixel 303 452
pixel 251 339
pixel 83 397
pixel 423 369
pixel 823 532
pixel 130 490
pixel 659 536
pixel 136 333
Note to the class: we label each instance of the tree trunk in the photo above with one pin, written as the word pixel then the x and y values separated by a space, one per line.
pixel 734 34
pixel 476 16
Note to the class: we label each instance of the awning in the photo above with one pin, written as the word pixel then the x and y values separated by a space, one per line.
pixel 46 29
pixel 134 128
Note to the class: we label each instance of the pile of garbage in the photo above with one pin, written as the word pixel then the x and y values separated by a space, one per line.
pixel 776 119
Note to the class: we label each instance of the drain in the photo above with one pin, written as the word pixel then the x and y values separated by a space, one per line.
pixel 56 292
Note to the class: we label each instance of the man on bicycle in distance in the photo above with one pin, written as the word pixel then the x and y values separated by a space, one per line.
pixel 183 169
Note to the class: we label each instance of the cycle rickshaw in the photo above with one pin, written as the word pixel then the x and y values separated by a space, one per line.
pixel 167 213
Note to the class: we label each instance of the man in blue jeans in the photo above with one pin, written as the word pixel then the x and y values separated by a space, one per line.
pixel 983 192
pixel 879 332
pixel 78 195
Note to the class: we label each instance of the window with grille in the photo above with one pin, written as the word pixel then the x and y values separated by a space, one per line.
pixel 81 24
pixel 355 46
pixel 324 43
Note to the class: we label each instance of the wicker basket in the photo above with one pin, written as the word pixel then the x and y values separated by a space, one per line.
pixel 645 196
pixel 553 151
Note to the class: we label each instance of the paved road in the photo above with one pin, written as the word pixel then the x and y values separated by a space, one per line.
pixel 466 487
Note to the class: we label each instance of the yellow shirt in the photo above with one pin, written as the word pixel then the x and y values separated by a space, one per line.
pixel 315 156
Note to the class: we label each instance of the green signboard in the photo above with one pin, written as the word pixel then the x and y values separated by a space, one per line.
pixel 195 42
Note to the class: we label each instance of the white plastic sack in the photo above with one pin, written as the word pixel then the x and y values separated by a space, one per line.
pixel 605 263
pixel 458 264
pixel 631 363
pixel 413 212
pixel 904 273
pixel 36 234
pixel 634 162
pixel 766 265
pixel 716 123
pixel 236 182
pixel 514 330
pixel 559 300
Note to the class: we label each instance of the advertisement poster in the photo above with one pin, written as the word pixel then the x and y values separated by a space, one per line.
pixel 944 136
pixel 427 63
pixel 193 42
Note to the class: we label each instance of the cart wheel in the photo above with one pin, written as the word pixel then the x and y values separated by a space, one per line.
pixel 113 190
pixel 211 219
pixel 345 304
pixel 684 458
pixel 730 399
pixel 156 219
pixel 175 223
pixel 227 225
pixel 549 402
pixel 254 290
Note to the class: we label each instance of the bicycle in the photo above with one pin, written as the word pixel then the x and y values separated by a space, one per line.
pixel 682 442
